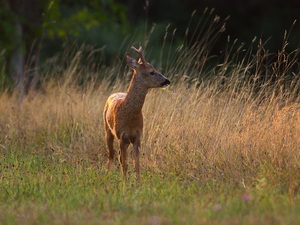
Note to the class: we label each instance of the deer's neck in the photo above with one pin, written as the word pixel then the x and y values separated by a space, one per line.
pixel 136 96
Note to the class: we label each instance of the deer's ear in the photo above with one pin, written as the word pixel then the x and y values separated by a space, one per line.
pixel 131 62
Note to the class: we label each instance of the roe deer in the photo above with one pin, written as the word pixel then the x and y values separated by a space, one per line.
pixel 122 114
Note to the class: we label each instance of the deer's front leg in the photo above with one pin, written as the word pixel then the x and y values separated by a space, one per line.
pixel 136 155
pixel 124 143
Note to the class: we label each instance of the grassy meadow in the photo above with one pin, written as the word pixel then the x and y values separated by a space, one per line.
pixel 220 145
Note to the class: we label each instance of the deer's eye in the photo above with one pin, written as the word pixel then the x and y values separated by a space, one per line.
pixel 152 73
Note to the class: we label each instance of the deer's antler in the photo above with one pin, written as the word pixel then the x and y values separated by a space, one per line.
pixel 139 52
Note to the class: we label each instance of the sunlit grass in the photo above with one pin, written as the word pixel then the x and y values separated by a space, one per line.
pixel 222 148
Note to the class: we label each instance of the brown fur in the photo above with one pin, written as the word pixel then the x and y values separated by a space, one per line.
pixel 122 114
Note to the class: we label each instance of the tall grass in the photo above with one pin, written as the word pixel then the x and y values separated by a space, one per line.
pixel 231 127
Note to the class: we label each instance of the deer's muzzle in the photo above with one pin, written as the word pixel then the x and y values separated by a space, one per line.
pixel 165 83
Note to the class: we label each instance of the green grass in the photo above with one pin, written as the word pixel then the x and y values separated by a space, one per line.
pixel 39 189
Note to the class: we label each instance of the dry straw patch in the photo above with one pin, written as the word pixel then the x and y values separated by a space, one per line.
pixel 188 130
pixel 193 132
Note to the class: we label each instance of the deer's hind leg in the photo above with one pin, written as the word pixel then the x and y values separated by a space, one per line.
pixel 111 150
pixel 109 140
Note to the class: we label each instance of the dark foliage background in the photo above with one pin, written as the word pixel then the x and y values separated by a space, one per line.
pixel 34 31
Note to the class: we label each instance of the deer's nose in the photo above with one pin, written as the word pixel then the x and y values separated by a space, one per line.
pixel 165 83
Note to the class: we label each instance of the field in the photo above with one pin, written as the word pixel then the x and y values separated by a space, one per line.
pixel 218 150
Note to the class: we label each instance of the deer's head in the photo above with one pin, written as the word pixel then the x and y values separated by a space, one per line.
pixel 146 73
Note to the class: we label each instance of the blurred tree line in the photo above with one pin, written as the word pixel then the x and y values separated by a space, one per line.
pixel 35 30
